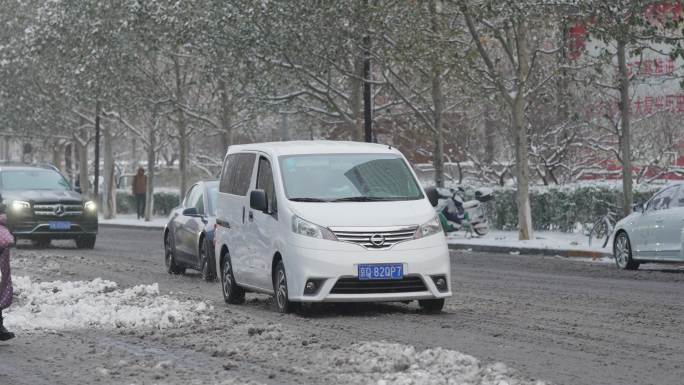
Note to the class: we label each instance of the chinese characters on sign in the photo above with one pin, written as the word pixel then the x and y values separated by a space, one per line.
pixel 661 66
pixel 642 105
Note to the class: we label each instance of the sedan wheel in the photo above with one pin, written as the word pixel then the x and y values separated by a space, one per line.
pixel 170 257
pixel 623 253
pixel 206 262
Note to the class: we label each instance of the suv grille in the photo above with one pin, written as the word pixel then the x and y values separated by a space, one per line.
pixel 375 238
pixel 409 284
pixel 57 209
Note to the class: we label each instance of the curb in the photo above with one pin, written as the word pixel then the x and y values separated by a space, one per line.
pixel 529 251
pixel 130 227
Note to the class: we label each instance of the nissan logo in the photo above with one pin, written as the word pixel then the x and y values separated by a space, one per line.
pixel 377 240
pixel 59 210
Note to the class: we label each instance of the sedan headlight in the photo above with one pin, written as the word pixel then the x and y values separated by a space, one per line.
pixel 90 206
pixel 308 229
pixel 433 226
pixel 19 206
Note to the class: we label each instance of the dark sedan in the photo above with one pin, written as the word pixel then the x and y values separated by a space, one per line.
pixel 189 235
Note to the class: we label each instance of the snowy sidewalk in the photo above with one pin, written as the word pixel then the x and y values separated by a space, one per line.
pixel 131 221
pixel 544 243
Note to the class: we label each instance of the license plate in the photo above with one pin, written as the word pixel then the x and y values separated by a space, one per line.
pixel 59 225
pixel 381 271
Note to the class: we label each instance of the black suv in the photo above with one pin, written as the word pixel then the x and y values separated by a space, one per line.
pixel 41 206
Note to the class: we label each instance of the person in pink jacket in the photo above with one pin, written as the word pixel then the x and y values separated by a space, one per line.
pixel 6 241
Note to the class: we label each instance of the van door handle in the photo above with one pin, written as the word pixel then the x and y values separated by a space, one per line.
pixel 251 216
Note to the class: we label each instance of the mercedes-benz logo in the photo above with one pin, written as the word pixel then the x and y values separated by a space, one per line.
pixel 59 210
pixel 377 240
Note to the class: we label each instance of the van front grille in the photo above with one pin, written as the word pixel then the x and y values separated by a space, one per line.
pixel 410 284
pixel 375 238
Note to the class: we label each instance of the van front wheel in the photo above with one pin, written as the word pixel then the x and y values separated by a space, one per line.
pixel 432 306
pixel 282 299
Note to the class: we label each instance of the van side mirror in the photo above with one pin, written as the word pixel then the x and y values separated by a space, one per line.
pixel 190 212
pixel 432 196
pixel 78 190
pixel 258 201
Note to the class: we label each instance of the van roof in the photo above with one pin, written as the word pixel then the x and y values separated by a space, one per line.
pixel 314 147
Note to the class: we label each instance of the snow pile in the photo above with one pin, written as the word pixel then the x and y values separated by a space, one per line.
pixel 98 303
pixel 544 240
pixel 385 363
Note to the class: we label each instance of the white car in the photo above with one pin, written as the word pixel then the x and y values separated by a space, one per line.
pixel 653 232
pixel 322 221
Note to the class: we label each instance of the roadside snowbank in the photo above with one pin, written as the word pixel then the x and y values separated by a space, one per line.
pixel 97 304
pixel 546 240
pixel 385 363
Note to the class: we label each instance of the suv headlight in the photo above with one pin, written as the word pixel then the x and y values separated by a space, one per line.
pixel 90 206
pixel 433 226
pixel 308 229
pixel 19 206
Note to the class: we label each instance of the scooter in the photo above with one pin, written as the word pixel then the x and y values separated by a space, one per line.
pixel 471 215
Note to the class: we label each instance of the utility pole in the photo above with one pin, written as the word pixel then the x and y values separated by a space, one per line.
pixel 97 151
pixel 367 96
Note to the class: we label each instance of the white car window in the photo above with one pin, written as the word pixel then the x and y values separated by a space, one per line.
pixel 663 200
pixel 679 198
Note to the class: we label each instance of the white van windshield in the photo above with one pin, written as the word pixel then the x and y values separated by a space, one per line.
pixel 348 178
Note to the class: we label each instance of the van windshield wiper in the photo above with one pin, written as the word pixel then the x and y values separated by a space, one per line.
pixel 365 199
pixel 307 199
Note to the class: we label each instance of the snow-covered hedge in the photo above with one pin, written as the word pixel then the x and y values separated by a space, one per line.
pixel 164 202
pixel 562 208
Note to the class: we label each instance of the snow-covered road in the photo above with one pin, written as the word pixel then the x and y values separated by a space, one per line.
pixel 112 316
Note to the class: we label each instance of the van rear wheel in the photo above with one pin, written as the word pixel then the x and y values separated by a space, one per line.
pixel 232 293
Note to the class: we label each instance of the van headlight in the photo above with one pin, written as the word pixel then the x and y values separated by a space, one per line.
pixel 19 206
pixel 433 226
pixel 90 206
pixel 308 229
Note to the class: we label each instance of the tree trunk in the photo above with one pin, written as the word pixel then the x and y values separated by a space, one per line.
pixel 625 136
pixel 5 148
pixel 284 127
pixel 109 185
pixel 152 143
pixel 355 99
pixel 57 151
pixel 489 134
pixel 438 106
pixel 182 131
pixel 520 135
pixel 226 116
pixel 522 171
pixel 82 149
pixel 438 154
pixel 134 154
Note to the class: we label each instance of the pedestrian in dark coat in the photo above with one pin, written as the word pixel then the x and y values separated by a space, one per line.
pixel 6 241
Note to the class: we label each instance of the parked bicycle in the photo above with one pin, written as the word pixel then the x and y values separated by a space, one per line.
pixel 602 229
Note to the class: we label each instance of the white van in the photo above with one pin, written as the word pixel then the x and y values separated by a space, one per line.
pixel 327 221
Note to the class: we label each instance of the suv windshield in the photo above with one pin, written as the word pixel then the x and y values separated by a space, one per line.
pixel 348 178
pixel 33 180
